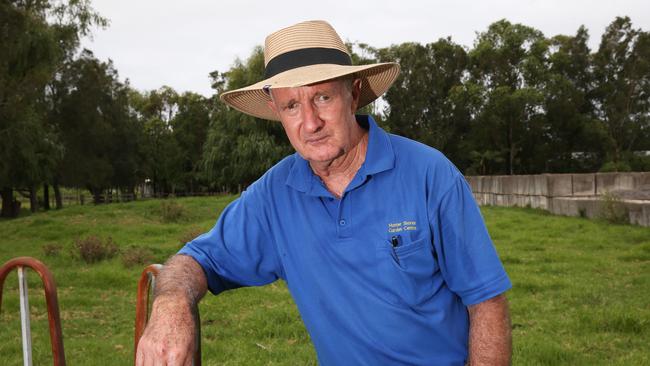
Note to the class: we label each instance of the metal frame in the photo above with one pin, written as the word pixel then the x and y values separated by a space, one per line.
pixel 56 336
pixel 146 286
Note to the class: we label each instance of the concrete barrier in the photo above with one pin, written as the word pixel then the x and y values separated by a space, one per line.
pixel 567 194
pixel 584 185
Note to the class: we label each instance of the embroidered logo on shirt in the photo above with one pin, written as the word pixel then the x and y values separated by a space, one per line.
pixel 397 227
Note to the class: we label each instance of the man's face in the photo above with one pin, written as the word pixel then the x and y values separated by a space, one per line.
pixel 319 119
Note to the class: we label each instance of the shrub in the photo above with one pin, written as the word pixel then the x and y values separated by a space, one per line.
pixel 612 209
pixel 51 250
pixel 190 235
pixel 93 249
pixel 612 166
pixel 171 211
pixel 582 212
pixel 640 163
pixel 137 256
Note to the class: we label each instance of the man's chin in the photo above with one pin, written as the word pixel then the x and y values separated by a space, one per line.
pixel 322 159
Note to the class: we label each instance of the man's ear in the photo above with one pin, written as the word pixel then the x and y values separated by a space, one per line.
pixel 356 93
pixel 272 107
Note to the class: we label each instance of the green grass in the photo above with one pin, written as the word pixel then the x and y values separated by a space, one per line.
pixel 581 291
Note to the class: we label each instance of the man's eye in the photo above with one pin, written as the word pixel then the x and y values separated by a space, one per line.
pixel 322 98
pixel 291 106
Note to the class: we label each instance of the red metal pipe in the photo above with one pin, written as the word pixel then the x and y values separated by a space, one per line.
pixel 142 301
pixel 56 335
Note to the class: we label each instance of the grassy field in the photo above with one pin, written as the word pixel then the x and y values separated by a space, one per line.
pixel 581 291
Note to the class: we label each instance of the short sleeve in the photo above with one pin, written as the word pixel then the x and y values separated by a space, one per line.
pixel 467 258
pixel 239 250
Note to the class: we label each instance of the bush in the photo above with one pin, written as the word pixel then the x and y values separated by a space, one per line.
pixel 612 166
pixel 190 235
pixel 93 249
pixel 52 249
pixel 171 211
pixel 137 256
pixel 613 210
pixel 640 163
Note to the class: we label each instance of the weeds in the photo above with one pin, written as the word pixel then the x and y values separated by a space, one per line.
pixel 582 212
pixel 52 250
pixel 612 209
pixel 190 235
pixel 92 249
pixel 135 256
pixel 171 211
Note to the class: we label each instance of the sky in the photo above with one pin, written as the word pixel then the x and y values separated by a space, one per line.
pixel 178 43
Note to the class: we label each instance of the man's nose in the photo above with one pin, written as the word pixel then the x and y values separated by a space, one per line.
pixel 311 118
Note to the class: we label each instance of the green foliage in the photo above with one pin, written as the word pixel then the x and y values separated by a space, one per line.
pixel 419 105
pixel 36 39
pixel 507 68
pixel 96 125
pixel 190 128
pixel 622 75
pixel 92 249
pixel 570 122
pixel 239 148
pixel 517 102
pixel 612 209
pixel 640 163
pixel 171 211
pixel 615 166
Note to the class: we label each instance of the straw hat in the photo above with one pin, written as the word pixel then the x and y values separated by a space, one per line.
pixel 303 54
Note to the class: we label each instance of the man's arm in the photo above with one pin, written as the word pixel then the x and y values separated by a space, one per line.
pixel 169 338
pixel 490 339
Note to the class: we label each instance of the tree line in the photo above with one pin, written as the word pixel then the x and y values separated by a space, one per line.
pixel 516 102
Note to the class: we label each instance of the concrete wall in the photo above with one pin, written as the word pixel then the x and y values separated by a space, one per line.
pixel 566 194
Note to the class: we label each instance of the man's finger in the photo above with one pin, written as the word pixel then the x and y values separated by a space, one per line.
pixel 139 357
pixel 189 358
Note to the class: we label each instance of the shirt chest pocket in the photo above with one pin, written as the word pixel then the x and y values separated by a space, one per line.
pixel 406 272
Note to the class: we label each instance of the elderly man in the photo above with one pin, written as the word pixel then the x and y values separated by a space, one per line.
pixel 377 237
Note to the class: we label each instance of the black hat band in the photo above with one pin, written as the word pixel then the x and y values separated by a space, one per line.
pixel 305 57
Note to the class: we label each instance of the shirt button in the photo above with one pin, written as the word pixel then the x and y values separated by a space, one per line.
pixel 342 222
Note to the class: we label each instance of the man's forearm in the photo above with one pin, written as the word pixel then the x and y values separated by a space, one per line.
pixel 169 338
pixel 490 339
pixel 182 277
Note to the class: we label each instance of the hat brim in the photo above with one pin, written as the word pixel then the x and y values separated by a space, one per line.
pixel 252 100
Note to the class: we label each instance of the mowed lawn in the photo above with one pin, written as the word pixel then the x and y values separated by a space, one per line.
pixel 581 291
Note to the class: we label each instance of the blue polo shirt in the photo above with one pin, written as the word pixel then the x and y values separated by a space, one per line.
pixel 363 300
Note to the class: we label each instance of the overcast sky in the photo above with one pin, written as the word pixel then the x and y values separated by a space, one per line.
pixel 177 43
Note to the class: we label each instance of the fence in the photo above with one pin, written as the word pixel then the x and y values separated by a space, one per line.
pixel 86 198
pixel 568 194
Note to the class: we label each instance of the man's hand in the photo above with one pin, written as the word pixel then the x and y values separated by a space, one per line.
pixel 169 338
pixel 490 339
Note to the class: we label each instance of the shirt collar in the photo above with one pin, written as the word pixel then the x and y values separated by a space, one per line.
pixel 379 157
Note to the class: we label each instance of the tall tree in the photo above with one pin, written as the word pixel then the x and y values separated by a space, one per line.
pixel 240 148
pixel 162 157
pixel 190 126
pixel 97 128
pixel 36 37
pixel 622 92
pixel 507 67
pixel 419 106
pixel 573 137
